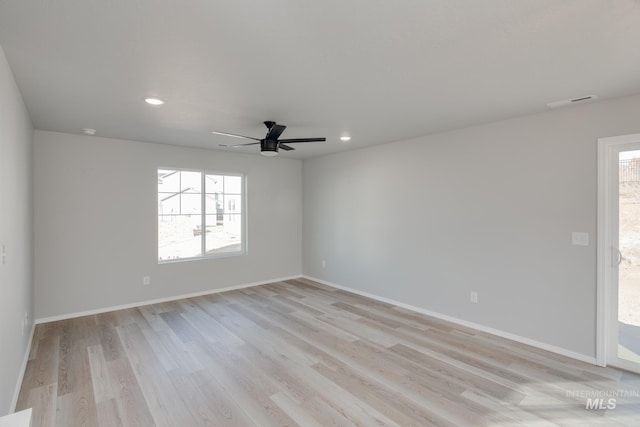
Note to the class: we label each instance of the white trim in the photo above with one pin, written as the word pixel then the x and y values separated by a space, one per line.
pixel 23 369
pixel 603 256
pixel 476 326
pixel 558 350
pixel 160 300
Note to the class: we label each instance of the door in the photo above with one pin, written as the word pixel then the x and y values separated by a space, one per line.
pixel 620 251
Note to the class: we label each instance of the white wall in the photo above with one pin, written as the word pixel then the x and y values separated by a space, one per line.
pixel 96 223
pixel 16 227
pixel 488 208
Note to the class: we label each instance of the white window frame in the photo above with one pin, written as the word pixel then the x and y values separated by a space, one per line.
pixel 203 193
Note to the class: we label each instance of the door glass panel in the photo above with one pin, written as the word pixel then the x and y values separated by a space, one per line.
pixel 629 246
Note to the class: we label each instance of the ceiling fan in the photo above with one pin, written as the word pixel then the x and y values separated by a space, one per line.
pixel 269 144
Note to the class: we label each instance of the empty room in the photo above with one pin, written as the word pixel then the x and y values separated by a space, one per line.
pixel 329 213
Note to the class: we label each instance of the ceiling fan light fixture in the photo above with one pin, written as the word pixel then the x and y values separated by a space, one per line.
pixel 269 147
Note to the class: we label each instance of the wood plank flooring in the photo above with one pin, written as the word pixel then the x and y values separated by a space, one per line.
pixel 297 353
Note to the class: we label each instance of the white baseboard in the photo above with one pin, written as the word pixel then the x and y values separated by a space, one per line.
pixel 513 337
pixel 517 338
pixel 23 369
pixel 159 300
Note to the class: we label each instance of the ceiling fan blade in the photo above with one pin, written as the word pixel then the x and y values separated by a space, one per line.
pixel 274 132
pixel 290 141
pixel 238 145
pixel 234 135
pixel 286 147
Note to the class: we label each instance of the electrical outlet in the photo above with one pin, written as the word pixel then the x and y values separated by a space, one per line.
pixel 324 264
pixel 474 297
pixel 580 238
pixel 4 255
pixel 25 322
pixel 146 280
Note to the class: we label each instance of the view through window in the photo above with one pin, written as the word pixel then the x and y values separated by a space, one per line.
pixel 199 214
pixel 629 247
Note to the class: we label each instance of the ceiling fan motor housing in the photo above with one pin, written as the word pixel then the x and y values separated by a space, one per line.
pixel 268 147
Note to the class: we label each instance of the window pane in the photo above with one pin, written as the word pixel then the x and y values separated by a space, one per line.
pixel 232 204
pixel 233 184
pixel 223 237
pixel 168 203
pixel 191 182
pixel 214 203
pixel 168 181
pixel 232 222
pixel 191 204
pixel 179 236
pixel 214 183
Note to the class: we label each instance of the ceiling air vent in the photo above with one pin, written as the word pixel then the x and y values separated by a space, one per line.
pixel 578 100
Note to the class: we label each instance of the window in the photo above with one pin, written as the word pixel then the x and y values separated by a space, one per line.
pixel 200 214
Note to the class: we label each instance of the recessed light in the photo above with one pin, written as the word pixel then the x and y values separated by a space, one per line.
pixel 154 101
pixel 345 138
pixel 89 131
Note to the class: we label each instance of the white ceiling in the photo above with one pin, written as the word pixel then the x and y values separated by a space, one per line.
pixel 378 70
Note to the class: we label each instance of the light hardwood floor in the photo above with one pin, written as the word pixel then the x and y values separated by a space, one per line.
pixel 299 353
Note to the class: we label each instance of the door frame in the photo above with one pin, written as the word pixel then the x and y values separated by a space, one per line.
pixel 606 149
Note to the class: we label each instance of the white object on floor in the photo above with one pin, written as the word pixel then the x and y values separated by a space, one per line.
pixel 17 419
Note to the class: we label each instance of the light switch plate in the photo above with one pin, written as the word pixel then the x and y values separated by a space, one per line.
pixel 580 238
pixel 474 297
